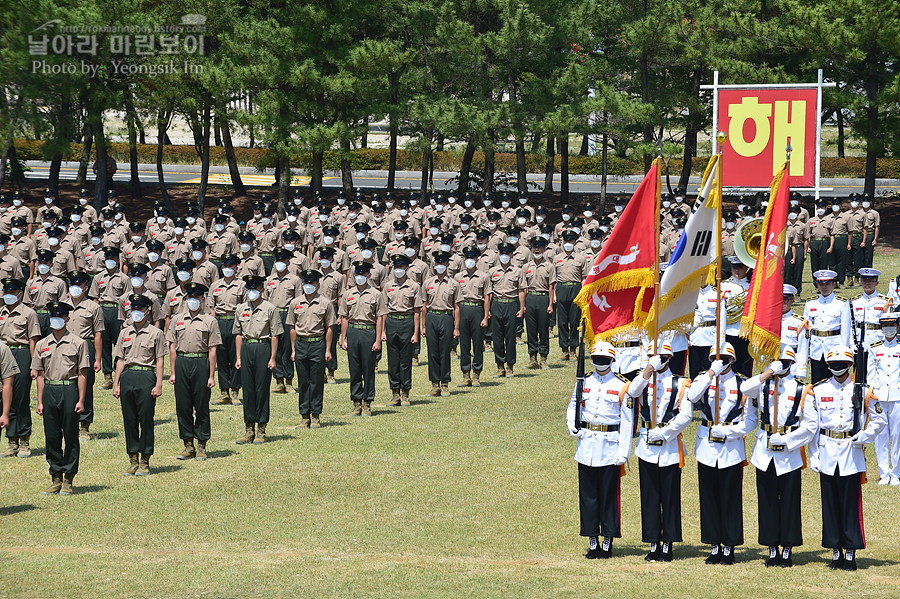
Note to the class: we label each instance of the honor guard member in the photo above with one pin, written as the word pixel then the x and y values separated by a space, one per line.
pixel 257 327
pixel 703 334
pixel 785 427
pixel 140 354
pixel 311 319
pixel 44 288
pixel 86 322
pixel 660 451
pixel 330 286
pixel 223 299
pixel 829 323
pixel 793 332
pixel 508 287
pixel 540 278
pixel 872 226
pixel 137 273
pixel 819 237
pixel 403 299
pixel 836 453
pixel 193 339
pixel 59 366
pixel 108 288
pixel 474 302
pixel 571 269
pixel 279 289
pixel 362 311
pixel 720 455
pixel 20 331
pixel 866 310
pixel 884 373
pixel 604 444
pixel 440 316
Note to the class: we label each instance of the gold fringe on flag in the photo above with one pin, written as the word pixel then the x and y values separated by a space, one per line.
pixel 638 277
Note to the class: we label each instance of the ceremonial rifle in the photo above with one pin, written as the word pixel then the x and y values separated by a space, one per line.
pixel 858 367
pixel 579 380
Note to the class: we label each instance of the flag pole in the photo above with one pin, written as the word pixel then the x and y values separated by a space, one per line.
pixel 787 167
pixel 656 278
pixel 721 136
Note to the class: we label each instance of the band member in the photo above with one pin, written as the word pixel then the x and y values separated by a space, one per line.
pixel 884 373
pixel 604 444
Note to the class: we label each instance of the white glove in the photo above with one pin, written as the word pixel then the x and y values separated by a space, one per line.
pixel 857 440
pixel 655 434
pixel 800 372
pixel 574 431
pixel 717 367
pixel 777 367
pixel 620 460
pixel 656 362
pixel 720 430
pixel 776 439
pixel 814 463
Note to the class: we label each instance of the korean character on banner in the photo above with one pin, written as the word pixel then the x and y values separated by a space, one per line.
pixel 37 46
pixel 86 44
pixel 193 44
pixel 120 44
pixel 168 44
pixel 144 45
pixel 61 44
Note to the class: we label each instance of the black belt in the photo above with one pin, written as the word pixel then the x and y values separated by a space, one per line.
pixel 600 428
pixel 400 316
pixel 440 311
pixel 826 333
pixel 627 344
pixel 709 423
pixel 835 434
pixel 185 354
pixel 781 430
pixel 707 323
pixel 312 339
pixel 869 326
pixel 646 425
pixel 361 325
pixel 59 383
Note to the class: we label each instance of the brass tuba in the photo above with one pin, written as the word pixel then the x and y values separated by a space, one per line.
pixel 748 240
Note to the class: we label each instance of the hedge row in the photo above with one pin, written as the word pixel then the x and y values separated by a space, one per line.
pixel 378 158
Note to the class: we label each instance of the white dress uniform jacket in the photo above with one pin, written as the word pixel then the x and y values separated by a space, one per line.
pixel 867 311
pixel 793 413
pixel 669 453
pixel 883 373
pixel 704 332
pixel 793 335
pixel 732 411
pixel 603 402
pixel 826 314
pixel 833 402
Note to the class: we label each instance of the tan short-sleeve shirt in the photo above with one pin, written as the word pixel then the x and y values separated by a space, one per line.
pixel 18 325
pixel 506 282
pixel 194 334
pixel 60 359
pixel 310 317
pixel 261 322
pixel 539 276
pixel 8 365
pixel 224 296
pixel 473 287
pixel 440 294
pixel 140 347
pixel 363 307
pixel 41 291
pixel 85 319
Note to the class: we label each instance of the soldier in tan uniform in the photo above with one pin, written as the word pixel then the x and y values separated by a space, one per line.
pixel 140 351
pixel 193 339
pixel 819 230
pixel 107 289
pixel 507 304
pixel 10 266
pixel 440 315
pixel 279 289
pixel 224 297
pixel 311 318
pixel 19 330
pixel 856 218
pixel 872 226
pixel 59 367
pixel 473 301
pixel 44 288
pixel 540 278
pixel 257 327
pixel 86 322
pixel 330 286
pixel 572 267
pixel 362 311
pixel 251 264
pixel 403 299
pixel 22 246
pixel 840 241
pixel 160 277
pixel 8 370
pixel 797 243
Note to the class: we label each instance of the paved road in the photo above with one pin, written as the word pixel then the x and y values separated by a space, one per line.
pixel 189 174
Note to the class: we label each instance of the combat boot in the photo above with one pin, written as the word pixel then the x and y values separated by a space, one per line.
pixel 188 453
pixel 304 421
pixel 453 353
pixel 24 448
pixel 367 408
pixel 55 485
pixel 565 355
pixel 201 451
pixel 435 389
pixel 544 365
pixel 13 448
pixel 143 466
pixel 445 389
pixel 289 385
pixel 236 397
pixel 533 363
pixel 519 339
pixel 395 399
pixel 279 388
pixel 107 382
pixel 415 361
pixel 476 378
pixel 249 434
pixel 260 434
pixel 467 379
pixel 404 397
pixel 315 423
pixel 330 379
pixel 223 400
pixel 357 408
pixel 132 466
pixel 84 432
pixel 501 371
pixel 66 488
pixel 509 371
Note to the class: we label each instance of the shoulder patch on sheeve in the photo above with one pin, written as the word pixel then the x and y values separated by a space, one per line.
pixel 876 343
pixel 856 297
pixel 630 403
pixel 622 378
pixel 878 408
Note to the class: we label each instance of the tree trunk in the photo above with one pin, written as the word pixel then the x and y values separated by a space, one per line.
pixel 585 145
pixel 86 144
pixel 564 168
pixel 465 168
pixel 224 125
pixel 10 149
pixel 440 142
pixel 521 171
pixel 346 171
pixel 604 163
pixel 549 166
pixel 130 118
pixel 871 149
pixel 142 135
pixel 392 154
pixel 316 182
pixel 690 134
pixel 162 123
pixel 217 134
pixel 840 127
pixel 101 190
pixel 364 140
pixel 489 158
pixel 426 162
pixel 645 95
pixel 205 126
pixel 536 142
pixel 55 164
pixel 284 182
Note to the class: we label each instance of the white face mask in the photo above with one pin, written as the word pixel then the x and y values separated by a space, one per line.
pixel 110 264
pixel 452 200
pixel 191 220
pixel 360 236
pixel 53 241
pixel 360 279
pixel 588 214
pixel 521 220
pixel 220 227
pixel 309 288
pixel 135 239
pixel 854 204
pixel 16 231
pixel 253 294
pixel 568 247
pixel 400 272
pixel 492 225
pixel 481 246
pixel 48 201
pixel 410 252
pixel 328 240
pixel 352 215
pixel 445 247
pixel 404 212
pixel 866 204
pixel 137 282
pixel 414 203
pixel 666 203
pixel 325 263
pixel 439 207
pixel 398 236
pixel 2 247
pixel 292 219
pixel 297 201
pixel 889 331
pixel 43 268
pixel 289 247
pixel 17 203
pixel 193 304
pixel 820 211
pixel 160 220
pixel 440 268
pixel 227 271
pixel 108 224
pixel 323 218
pixel 153 256
pixel 280 266
pixel 183 276
pixel 179 230
pixel 839 371
pixel 595 243
pixel 470 263
pixel 729 225
pixel 246 247
pixel 341 201
pixel 538 255
pixel 792 216
pixel 566 217
pixel 434 230
pixel 504 204
pixel 118 216
pixel 513 239
pixel 539 219
pixel 9 299
pixel 464 226
pixel 366 254
pixel 57 323
pixel 196 255
pixel 137 315
pixel 835 208
pixel 620 208
pixel 76 218
pixel 75 291
pixel 504 259
pixel 467 203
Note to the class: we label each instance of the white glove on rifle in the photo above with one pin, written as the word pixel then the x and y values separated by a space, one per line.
pixel 720 430
pixel 620 460
pixel 655 434
pixel 776 439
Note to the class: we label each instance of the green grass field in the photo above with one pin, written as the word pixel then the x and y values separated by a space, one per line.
pixel 472 495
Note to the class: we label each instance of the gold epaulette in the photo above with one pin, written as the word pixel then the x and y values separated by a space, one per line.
pixel 622 378
pixel 875 343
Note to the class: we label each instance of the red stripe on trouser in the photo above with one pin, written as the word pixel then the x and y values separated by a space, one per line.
pixel 861 527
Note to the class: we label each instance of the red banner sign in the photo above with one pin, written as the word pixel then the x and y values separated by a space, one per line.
pixel 759 123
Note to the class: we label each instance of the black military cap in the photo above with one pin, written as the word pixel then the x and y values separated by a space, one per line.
pixel 221 219
pixel 401 260
pixel 330 231
pixel 137 226
pixel 78 209
pixel 224 203
pixel 492 215
pixel 435 221
pixel 247 237
pixel 361 267
pixel 466 218
pixel 470 251
pixel 523 212
pixel 447 238
pixel 253 281
pixel 111 252
pixel 4 199
pixel 482 233
pixel 411 241
pixel 513 231
pixel 56 232
pixel 84 193
pixel 362 227
pixel 48 214
pixel 538 242
pixel 194 289
pixel 441 257
pixel 58 308
pixel 291 234
pixel 108 213
pixel 230 259
pixel 545 228
pixel 96 230
pixel 77 277
pixel 138 269
pixel 310 276
pixel 12 284
pixel 192 210
pixel 47 192
pixel 198 244
pixel 506 248
pixel 155 245
pixel 161 210
pixel 595 234
pixel 112 193
pixel 45 255
pixel 401 224
pixel 569 235
pixel 379 207
pixel 18 221
pixel 4 238
pixel 541 210
pixel 567 209
pixel 354 205
pixel 368 243
pixel 326 252
pixel 185 264
pixel 282 254
pixel 138 300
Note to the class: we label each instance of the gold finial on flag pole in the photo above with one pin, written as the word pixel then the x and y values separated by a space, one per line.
pixel 788 149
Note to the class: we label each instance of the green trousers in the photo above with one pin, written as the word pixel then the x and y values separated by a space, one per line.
pixel 840 257
pixel 856 256
pixel 361 363
pixel 20 410
pixel 256 380
pixel 284 368
pixel 793 273
pixel 503 330
pixel 537 322
pixel 88 414
pixel 138 408
pixel 226 356
pixel 568 315
pixel 310 363
pixel 192 397
pixel 819 258
pixel 335 335
pixel 868 251
pixel 471 338
pixel 439 337
pixel 399 350
pixel 61 428
pixel 111 326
